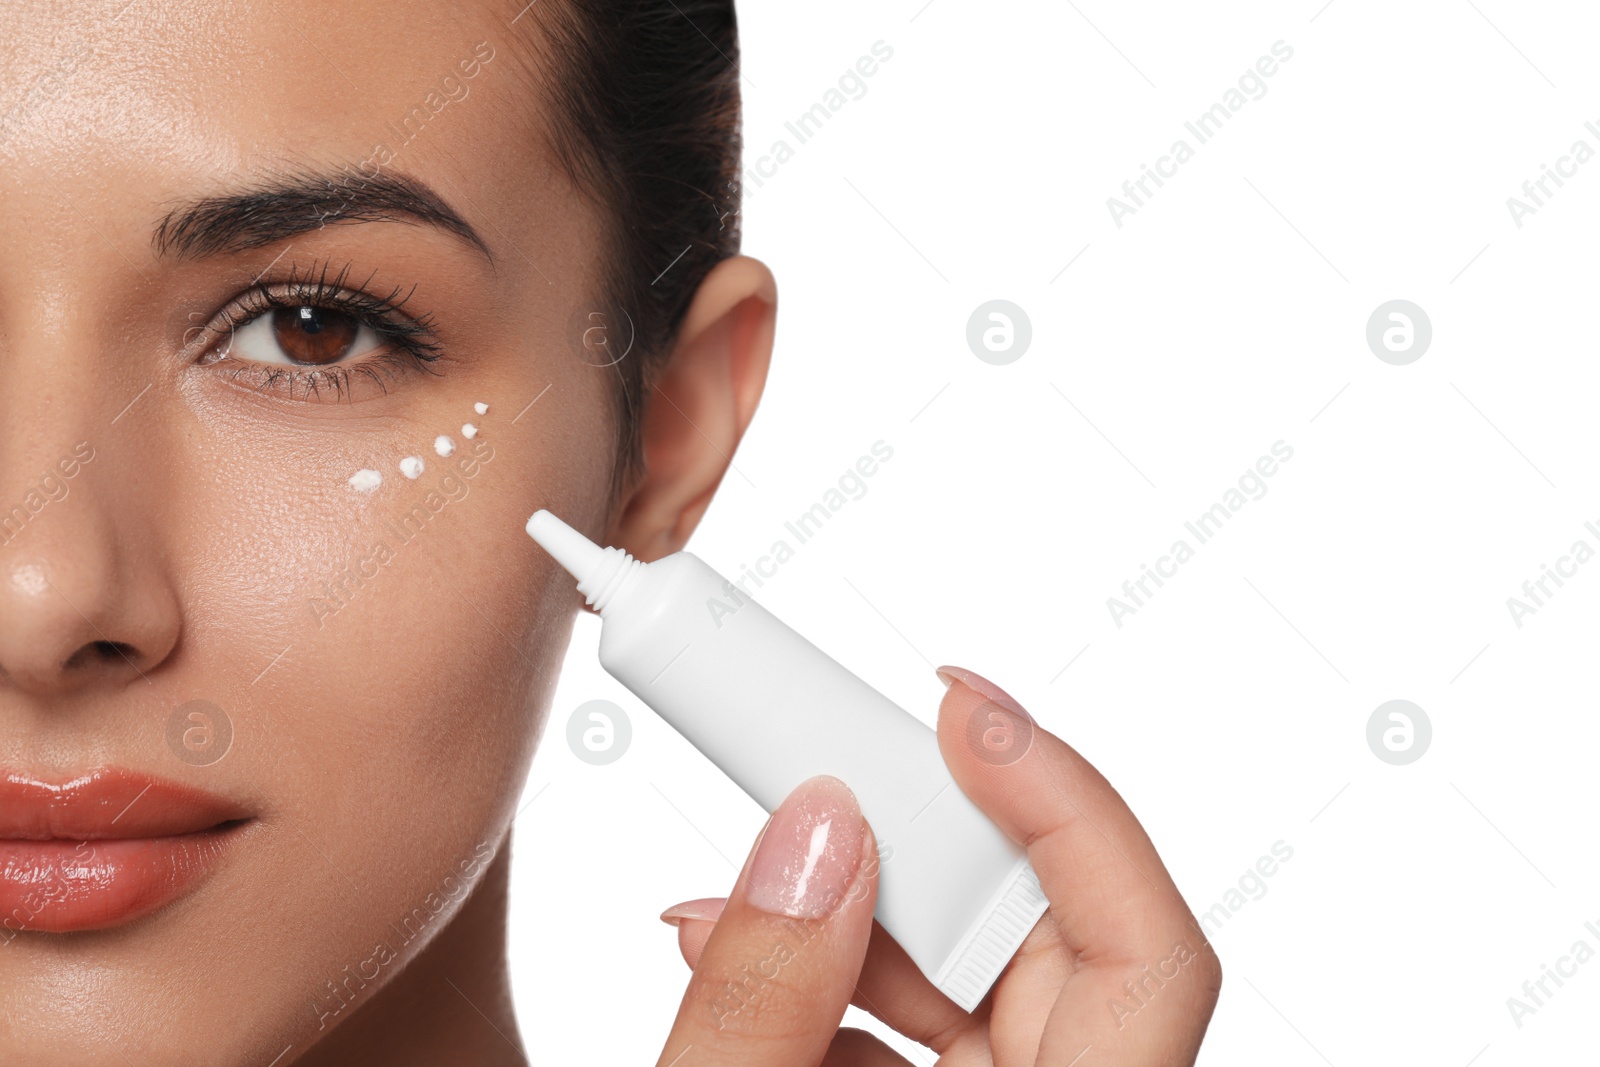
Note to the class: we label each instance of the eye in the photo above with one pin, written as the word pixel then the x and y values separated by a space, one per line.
pixel 314 337
pixel 302 336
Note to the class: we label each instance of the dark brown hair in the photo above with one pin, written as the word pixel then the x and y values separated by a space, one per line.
pixel 644 103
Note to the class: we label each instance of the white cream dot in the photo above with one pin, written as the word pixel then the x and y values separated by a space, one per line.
pixel 30 579
pixel 411 467
pixel 469 431
pixel 365 481
pixel 443 445
pixel 481 408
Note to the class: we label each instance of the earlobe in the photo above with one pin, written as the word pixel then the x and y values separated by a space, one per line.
pixel 703 399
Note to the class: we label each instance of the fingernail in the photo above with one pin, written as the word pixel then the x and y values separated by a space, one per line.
pixel 982 686
pixel 810 851
pixel 708 909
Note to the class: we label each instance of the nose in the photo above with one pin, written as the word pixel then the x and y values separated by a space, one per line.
pixel 83 599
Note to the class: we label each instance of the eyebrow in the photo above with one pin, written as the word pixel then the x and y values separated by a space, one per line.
pixel 298 203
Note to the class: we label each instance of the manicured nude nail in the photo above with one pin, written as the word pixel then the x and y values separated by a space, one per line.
pixel 810 851
pixel 706 909
pixel 982 686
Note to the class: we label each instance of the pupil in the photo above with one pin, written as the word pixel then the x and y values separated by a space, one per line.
pixel 314 335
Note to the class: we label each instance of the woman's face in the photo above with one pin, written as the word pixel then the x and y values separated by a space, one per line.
pixel 178 521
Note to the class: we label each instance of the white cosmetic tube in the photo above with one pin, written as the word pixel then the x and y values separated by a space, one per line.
pixel 770 709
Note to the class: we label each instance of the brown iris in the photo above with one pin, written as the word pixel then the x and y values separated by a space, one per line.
pixel 314 335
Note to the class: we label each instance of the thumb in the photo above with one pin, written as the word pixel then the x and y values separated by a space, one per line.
pixel 778 969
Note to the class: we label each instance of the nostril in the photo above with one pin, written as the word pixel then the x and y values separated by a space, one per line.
pixel 113 650
pixel 101 652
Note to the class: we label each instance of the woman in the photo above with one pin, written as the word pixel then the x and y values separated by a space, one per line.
pixel 304 308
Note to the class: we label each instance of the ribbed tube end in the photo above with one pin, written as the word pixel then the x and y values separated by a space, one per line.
pixel 993 938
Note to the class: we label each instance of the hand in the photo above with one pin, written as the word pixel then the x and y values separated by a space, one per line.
pixel 1116 972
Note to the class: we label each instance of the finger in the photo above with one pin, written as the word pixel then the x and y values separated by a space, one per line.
pixel 891 986
pixel 857 1048
pixel 894 989
pixel 773 978
pixel 695 919
pixel 1116 915
pixel 1109 892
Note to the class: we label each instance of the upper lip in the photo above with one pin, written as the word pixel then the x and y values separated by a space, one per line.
pixel 106 803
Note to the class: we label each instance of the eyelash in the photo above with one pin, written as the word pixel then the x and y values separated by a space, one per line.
pixel 410 341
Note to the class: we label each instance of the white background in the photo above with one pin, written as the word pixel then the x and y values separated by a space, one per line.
pixel 1227 314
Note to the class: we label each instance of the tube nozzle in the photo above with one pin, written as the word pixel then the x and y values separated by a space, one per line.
pixel 600 572
pixel 575 552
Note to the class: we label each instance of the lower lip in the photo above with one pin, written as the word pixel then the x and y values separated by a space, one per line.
pixel 61 886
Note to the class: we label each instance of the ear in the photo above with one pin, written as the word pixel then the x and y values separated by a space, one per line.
pixel 700 407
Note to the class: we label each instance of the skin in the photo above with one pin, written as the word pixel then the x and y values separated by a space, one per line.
pixel 380 748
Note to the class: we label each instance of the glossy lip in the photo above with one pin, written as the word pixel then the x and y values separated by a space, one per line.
pixel 104 848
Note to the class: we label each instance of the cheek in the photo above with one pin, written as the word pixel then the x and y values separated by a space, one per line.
pixel 386 658
pixel 387 646
pixel 389 637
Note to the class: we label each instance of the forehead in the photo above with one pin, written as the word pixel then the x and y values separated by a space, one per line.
pixel 153 98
